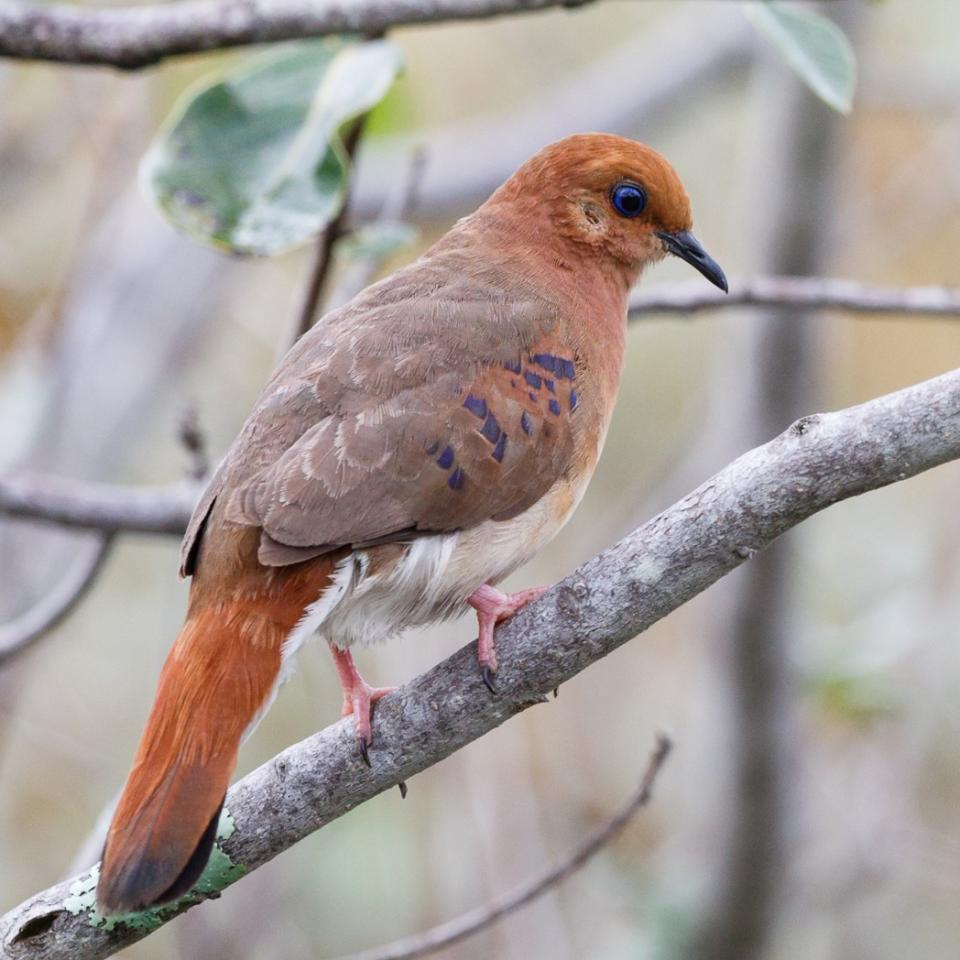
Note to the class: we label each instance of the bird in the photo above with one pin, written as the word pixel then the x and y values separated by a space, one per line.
pixel 412 449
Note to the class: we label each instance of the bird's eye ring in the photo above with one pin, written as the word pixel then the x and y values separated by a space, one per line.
pixel 628 199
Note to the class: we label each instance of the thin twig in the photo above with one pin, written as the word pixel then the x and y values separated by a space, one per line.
pixel 21 632
pixel 166 509
pixel 397 207
pixel 318 275
pixel 811 293
pixel 465 926
pixel 195 443
pixel 136 37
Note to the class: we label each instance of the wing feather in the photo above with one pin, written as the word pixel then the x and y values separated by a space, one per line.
pixel 434 402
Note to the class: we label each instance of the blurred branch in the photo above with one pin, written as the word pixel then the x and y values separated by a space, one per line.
pixel 98 506
pixel 814 293
pixel 454 931
pixel 136 37
pixel 195 444
pixel 398 206
pixel 113 508
pixel 28 627
pixel 636 85
pixel 818 461
pixel 322 260
pixel 756 628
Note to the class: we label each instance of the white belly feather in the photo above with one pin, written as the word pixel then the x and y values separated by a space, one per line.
pixel 431 579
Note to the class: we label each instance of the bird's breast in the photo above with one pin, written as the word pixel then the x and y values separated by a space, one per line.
pixel 378 592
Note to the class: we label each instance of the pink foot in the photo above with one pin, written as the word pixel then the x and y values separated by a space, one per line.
pixel 358 698
pixel 492 607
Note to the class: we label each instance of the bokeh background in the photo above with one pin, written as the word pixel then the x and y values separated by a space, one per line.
pixel 812 806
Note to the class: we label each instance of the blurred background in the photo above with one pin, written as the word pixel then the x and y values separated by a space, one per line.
pixel 812 806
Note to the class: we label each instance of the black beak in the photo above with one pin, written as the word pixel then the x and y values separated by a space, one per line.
pixel 687 247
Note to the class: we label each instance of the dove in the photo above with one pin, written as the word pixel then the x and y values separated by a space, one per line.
pixel 414 448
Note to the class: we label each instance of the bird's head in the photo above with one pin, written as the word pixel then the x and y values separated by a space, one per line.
pixel 612 198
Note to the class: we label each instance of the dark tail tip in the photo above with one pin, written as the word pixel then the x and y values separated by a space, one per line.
pixel 194 867
pixel 131 889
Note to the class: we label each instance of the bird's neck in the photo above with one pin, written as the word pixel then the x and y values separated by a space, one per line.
pixel 528 240
pixel 589 292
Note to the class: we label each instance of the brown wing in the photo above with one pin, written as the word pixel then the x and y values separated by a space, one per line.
pixel 428 405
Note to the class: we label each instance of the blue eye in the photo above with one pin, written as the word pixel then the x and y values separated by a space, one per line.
pixel 628 199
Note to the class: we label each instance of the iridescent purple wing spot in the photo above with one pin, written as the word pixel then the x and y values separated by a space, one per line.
pixel 490 428
pixel 476 405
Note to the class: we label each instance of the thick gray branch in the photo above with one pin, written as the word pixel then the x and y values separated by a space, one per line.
pixel 134 37
pixel 818 461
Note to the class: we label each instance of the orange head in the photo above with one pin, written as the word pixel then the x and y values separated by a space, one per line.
pixel 611 198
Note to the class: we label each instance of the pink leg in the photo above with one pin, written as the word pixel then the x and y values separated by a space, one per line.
pixel 492 607
pixel 358 697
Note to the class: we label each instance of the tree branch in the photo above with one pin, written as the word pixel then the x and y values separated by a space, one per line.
pixel 108 507
pixel 398 205
pixel 809 293
pixel 818 461
pixel 447 934
pixel 136 37
pixel 113 508
pixel 318 275
pixel 24 630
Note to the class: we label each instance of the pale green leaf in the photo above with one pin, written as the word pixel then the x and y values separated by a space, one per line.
pixel 378 240
pixel 815 47
pixel 253 163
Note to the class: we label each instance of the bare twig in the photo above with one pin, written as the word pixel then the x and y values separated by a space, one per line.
pixel 135 37
pixel 818 461
pixel 195 443
pixel 465 926
pixel 319 272
pixel 398 206
pixel 18 634
pixel 98 506
pixel 165 509
pixel 813 293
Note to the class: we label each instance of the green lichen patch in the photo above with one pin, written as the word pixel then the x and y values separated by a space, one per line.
pixel 218 874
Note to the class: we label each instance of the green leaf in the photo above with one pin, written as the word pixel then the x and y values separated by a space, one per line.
pixel 253 162
pixel 816 48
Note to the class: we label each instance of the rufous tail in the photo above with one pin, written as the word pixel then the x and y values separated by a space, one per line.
pixel 219 676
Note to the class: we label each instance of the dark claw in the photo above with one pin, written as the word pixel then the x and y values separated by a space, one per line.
pixel 556 692
pixel 488 676
pixel 403 789
pixel 364 749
